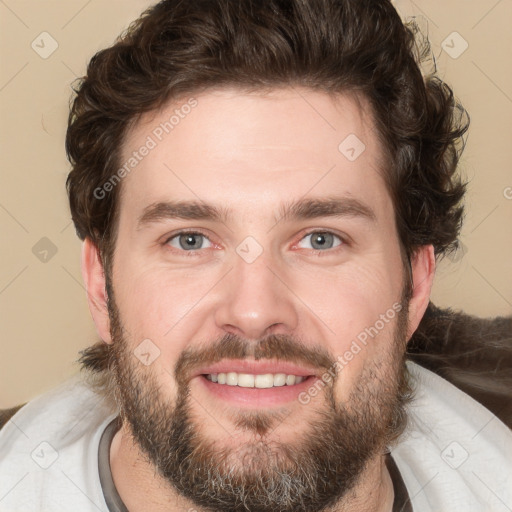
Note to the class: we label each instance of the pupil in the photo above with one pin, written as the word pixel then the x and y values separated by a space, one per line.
pixel 322 240
pixel 189 241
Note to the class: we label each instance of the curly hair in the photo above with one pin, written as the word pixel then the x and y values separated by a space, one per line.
pixel 178 48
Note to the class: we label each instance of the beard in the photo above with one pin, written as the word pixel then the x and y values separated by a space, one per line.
pixel 315 472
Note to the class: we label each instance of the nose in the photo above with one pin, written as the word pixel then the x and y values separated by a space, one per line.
pixel 255 301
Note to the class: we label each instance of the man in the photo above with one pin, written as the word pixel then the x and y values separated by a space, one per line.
pixel 263 189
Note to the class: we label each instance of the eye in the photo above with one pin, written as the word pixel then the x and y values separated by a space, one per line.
pixel 189 241
pixel 320 240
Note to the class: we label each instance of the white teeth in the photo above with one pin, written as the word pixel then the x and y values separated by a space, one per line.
pixel 290 380
pixel 279 379
pixel 246 380
pixel 231 379
pixel 262 381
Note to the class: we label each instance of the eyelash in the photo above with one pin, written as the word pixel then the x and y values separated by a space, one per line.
pixel 326 252
pixel 188 254
pixel 317 252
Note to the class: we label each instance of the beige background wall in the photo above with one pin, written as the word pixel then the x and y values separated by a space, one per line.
pixel 44 316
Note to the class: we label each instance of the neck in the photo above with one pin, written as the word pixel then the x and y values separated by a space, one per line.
pixel 131 471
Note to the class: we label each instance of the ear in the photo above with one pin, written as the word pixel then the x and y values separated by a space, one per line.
pixel 94 279
pixel 423 265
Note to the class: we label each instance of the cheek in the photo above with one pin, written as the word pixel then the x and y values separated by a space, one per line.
pixel 351 297
pixel 356 310
pixel 161 305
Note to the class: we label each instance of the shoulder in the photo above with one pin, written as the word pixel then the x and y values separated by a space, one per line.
pixel 62 403
pixel 53 441
pixel 450 447
pixel 474 354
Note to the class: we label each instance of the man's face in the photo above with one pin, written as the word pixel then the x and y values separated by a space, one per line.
pixel 257 242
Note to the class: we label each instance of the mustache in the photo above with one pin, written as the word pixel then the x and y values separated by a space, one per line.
pixel 279 347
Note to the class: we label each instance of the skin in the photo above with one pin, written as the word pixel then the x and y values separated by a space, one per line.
pixel 253 153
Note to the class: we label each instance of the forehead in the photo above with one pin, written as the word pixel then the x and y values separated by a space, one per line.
pixel 248 150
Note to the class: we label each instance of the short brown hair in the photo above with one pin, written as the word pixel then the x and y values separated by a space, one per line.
pixel 185 47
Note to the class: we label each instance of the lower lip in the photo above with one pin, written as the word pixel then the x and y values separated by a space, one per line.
pixel 256 397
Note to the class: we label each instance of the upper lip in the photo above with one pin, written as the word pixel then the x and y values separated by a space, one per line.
pixel 256 367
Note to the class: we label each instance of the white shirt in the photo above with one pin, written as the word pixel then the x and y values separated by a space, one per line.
pixel 455 455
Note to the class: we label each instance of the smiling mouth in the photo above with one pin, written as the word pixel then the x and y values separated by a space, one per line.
pixel 260 381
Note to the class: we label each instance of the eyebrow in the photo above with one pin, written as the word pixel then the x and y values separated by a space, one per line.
pixel 301 209
pixel 326 207
pixel 188 210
